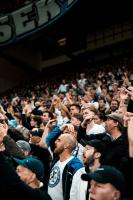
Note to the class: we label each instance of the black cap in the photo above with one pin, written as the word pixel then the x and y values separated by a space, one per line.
pixel 107 174
pixel 97 144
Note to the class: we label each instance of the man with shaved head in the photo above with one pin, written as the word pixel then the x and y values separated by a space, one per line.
pixel 64 145
pixel 63 168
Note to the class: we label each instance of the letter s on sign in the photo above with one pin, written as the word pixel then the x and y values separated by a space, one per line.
pixel 5 30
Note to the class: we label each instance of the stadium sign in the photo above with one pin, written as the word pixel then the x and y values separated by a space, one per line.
pixel 31 18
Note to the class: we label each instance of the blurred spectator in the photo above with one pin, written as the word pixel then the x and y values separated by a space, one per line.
pixel 106 182
pixel 25 147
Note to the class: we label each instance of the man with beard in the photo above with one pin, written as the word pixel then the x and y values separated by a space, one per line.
pixel 63 168
pixel 116 141
pixel 92 158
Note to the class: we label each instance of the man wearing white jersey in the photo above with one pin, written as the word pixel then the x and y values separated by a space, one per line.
pixel 63 168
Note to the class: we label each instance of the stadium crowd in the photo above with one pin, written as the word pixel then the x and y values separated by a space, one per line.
pixel 69 137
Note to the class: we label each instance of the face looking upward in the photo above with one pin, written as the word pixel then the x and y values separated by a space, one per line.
pixel 100 191
pixel 110 124
pixel 88 154
pixel 59 145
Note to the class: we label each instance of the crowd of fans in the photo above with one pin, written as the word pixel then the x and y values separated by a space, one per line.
pixel 69 137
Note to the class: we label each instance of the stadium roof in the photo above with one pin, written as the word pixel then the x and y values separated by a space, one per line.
pixel 66 38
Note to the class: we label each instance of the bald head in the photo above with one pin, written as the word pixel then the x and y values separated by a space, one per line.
pixel 70 141
pixel 65 143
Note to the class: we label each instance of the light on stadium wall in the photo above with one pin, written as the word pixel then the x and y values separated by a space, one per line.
pixel 62 42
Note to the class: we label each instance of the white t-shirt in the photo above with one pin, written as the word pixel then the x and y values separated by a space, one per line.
pixel 82 82
pixel 97 128
pixel 63 88
pixel 55 189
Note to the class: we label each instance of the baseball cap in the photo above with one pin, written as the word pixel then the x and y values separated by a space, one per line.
pixel 25 146
pixel 107 174
pixel 34 164
pixel 97 144
pixel 117 117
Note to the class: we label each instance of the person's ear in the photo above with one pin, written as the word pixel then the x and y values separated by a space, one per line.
pixel 66 146
pixel 97 154
pixel 117 194
pixel 117 123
